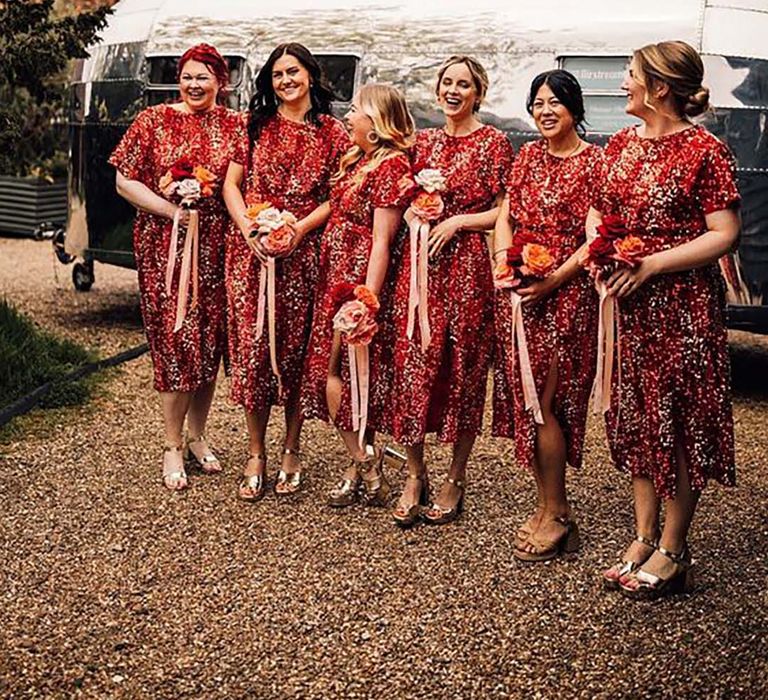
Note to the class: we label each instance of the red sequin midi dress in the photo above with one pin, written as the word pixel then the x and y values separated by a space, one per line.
pixel 344 254
pixel 159 136
pixel 442 389
pixel 671 379
pixel 549 198
pixel 290 166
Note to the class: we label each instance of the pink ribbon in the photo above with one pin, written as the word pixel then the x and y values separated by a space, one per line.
pixel 267 302
pixel 606 342
pixel 359 372
pixel 189 266
pixel 526 373
pixel 418 292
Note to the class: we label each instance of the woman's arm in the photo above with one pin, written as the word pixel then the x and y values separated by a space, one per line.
pixel 721 236
pixel 385 224
pixel 233 198
pixel 502 231
pixel 315 219
pixel 143 198
pixel 446 230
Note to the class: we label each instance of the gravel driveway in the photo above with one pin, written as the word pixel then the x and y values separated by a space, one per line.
pixel 112 587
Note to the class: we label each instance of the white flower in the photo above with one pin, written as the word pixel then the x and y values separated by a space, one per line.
pixel 188 190
pixel 270 220
pixel 431 180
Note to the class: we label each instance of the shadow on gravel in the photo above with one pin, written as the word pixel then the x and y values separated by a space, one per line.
pixel 125 315
pixel 749 370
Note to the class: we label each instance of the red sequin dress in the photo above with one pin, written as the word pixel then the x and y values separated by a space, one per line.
pixel 549 197
pixel 443 389
pixel 672 376
pixel 159 136
pixel 290 166
pixel 344 253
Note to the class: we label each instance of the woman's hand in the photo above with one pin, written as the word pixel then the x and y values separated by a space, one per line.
pixel 539 290
pixel 253 240
pixel 183 216
pixel 443 233
pixel 627 280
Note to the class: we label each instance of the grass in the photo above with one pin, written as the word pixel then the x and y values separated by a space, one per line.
pixel 30 357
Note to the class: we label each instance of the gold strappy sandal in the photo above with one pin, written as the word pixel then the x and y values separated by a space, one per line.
pixel 625 567
pixel 407 517
pixel 288 483
pixel 251 486
pixel 640 585
pixel 446 515
pixel 174 476
pixel 209 463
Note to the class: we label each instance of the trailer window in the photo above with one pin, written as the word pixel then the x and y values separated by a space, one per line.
pixel 604 101
pixel 162 70
pixel 340 70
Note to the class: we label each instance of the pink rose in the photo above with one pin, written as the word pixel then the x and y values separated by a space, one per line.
pixel 355 322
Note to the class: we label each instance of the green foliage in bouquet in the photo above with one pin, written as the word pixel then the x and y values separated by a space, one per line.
pixel 35 48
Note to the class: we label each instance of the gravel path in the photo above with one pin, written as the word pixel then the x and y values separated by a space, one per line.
pixel 111 587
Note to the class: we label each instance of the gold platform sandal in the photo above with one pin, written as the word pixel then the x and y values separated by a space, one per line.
pixel 288 483
pixel 346 491
pixel 625 567
pixel 446 515
pixel 640 585
pixel 375 487
pixel 408 517
pixel 174 476
pixel 251 487
pixel 209 462
pixel 544 550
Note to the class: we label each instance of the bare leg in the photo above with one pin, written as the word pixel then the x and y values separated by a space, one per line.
pixel 294 420
pixel 257 431
pixel 450 493
pixel 174 406
pixel 416 467
pixel 199 407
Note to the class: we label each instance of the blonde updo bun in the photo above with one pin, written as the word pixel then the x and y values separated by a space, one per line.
pixel 698 103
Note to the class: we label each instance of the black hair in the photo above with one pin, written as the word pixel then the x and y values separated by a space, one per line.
pixel 263 104
pixel 566 89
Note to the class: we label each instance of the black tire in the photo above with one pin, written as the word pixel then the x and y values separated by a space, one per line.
pixel 82 277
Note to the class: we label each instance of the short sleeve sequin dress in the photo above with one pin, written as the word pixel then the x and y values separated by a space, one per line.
pixel 160 136
pixel 290 166
pixel 549 198
pixel 672 374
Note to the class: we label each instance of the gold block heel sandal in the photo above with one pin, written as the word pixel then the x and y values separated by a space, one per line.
pixel 288 483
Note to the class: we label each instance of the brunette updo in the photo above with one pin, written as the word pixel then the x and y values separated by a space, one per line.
pixel 210 56
pixel 678 65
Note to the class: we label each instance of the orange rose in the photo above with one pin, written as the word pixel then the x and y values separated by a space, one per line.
pixel 255 209
pixel 206 179
pixel 278 241
pixel 537 260
pixel 505 277
pixel 428 206
pixel 629 250
pixel 367 297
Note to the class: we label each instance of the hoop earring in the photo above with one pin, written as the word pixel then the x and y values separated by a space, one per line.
pixel 373 137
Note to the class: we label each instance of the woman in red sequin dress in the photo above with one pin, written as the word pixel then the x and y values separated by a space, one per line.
pixel 186 361
pixel 368 197
pixel 552 185
pixel 670 423
pixel 441 388
pixel 293 149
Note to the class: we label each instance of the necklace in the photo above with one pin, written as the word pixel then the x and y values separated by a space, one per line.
pixel 570 153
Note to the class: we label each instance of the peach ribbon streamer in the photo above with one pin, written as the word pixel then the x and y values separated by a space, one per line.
pixel 189 266
pixel 418 292
pixel 606 342
pixel 266 308
pixel 526 373
pixel 360 376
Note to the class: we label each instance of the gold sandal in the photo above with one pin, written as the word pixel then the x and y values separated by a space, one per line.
pixel 346 492
pixel 446 515
pixel 375 487
pixel 625 567
pixel 174 475
pixel 544 550
pixel 407 517
pixel 254 483
pixel 640 585
pixel 288 483
pixel 209 462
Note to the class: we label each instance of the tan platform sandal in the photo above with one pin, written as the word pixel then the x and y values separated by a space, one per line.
pixel 174 475
pixel 209 463
pixel 544 550
pixel 252 486
pixel 288 483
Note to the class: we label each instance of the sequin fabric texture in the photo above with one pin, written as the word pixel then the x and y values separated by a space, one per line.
pixel 344 254
pixel 290 166
pixel 158 137
pixel 443 389
pixel 549 198
pixel 672 375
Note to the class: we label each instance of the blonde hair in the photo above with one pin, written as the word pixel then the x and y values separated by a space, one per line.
pixel 679 66
pixel 392 123
pixel 476 70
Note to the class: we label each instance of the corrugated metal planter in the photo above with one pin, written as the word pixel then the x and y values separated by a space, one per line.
pixel 27 202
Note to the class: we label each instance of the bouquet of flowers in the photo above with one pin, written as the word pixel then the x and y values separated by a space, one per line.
pixel 614 245
pixel 355 319
pixel 274 227
pixel 525 261
pixel 428 204
pixel 187 181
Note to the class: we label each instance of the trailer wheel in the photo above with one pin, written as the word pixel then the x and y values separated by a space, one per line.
pixel 82 276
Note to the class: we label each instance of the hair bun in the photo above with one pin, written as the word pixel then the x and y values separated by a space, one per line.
pixel 698 102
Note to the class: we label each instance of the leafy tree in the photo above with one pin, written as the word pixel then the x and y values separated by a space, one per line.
pixel 35 48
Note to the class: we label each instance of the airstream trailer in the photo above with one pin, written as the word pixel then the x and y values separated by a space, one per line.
pixel 403 42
